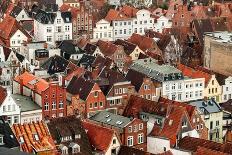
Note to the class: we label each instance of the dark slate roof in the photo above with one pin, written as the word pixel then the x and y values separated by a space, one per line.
pixel 86 60
pixel 7 151
pixel 128 46
pixel 9 138
pixel 16 10
pixel 55 64
pixel 90 48
pixel 67 47
pixel 80 86
pixel 67 17
pixel 221 78
pixel 20 57
pixel 45 17
pixel 202 26
pixel 70 126
pixel 136 78
pixel 227 106
pixel 164 41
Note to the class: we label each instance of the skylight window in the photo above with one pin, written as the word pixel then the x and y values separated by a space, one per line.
pixel 36 137
pixel 108 120
pixel 21 140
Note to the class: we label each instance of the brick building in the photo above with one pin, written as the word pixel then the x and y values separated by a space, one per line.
pixel 49 95
pixel 132 131
pixel 89 94
pixel 182 18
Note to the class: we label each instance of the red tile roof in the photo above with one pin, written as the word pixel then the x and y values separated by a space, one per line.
pixel 205 151
pixel 74 11
pixel 100 137
pixel 9 26
pixel 143 42
pixel 32 82
pixel 115 15
pixel 107 48
pixel 192 144
pixel 193 73
pixel 129 11
pixel 172 124
pixel 27 132
pixel 3 94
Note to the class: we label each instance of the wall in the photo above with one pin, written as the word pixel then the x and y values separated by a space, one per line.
pixel 113 146
pixel 156 145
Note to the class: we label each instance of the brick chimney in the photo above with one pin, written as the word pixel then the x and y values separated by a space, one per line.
pixel 21 86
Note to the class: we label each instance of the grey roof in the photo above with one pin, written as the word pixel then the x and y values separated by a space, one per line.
pixel 207 106
pixel 111 119
pixel 152 69
pixel 15 12
pixel 8 151
pixel 26 103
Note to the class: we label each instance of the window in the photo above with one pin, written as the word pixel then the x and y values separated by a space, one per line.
pixel 53 105
pixel 225 97
pixel 95 105
pixel 120 90
pixel 9 120
pixel 49 29
pixel 146 87
pixel 46 106
pixel 58 21
pixel 66 28
pixel 141 126
pixel 135 128
pixel 197 127
pixel 135 31
pixel 4 108
pixel 165 149
pixel 95 94
pixel 211 124
pixel 179 97
pixel 201 126
pixel 114 141
pixel 217 134
pixel 184 123
pixel 227 88
pixel 179 86
pixel 58 29
pixel 115 24
pixel 130 141
pixel 16 119
pixel 212 82
pixel 91 105
pixel 67 37
pixel 209 91
pixel 167 87
pixel 130 129
pixel 217 123
pixel 49 38
pixel 116 91
pixel 140 138
pixel 174 86
pixel 61 105
pixel 101 104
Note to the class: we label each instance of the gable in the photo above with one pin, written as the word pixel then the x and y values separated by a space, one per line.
pixel 19 35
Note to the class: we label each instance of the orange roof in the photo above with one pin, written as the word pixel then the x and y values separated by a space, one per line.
pixel 31 81
pixel 190 72
pixel 143 42
pixel 78 72
pixel 100 137
pixel 35 136
pixel 115 15
pixel 205 151
pixel 129 11
pixel 74 11
pixel 107 48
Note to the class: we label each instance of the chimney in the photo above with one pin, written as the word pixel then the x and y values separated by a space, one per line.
pixel 21 85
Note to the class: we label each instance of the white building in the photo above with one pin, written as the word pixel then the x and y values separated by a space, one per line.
pixel 123 25
pixel 142 22
pixel 103 31
pixel 161 23
pixel 52 27
pixel 174 85
pixel 227 90
pixel 20 14
pixel 9 108
pixel 29 110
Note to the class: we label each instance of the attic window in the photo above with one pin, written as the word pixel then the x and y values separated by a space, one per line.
pixel 184 124
pixel 170 122
pixel 36 137
pixel 21 140
pixel 119 122
pixel 108 120
pixel 67 19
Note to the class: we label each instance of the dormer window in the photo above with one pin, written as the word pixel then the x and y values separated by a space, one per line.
pixel 58 21
pixel 184 124
pixel 1 140
pixel 95 94
pixel 21 140
pixel 36 137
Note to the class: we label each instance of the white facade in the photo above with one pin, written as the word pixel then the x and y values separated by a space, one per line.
pixel 124 28
pixel 184 90
pixel 227 90
pixel 143 21
pixel 52 32
pixel 162 22
pixel 22 16
pixel 2 55
pixel 114 145
pixel 10 109
pixel 30 116
pixel 103 31
pixel 17 39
